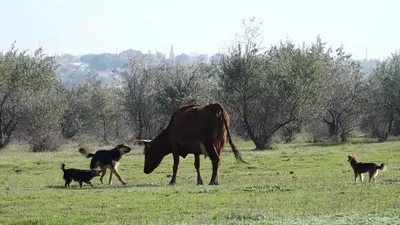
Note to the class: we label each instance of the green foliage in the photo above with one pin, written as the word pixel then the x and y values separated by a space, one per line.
pixel 272 88
pixel 384 103
pixel 181 85
pixel 138 96
pixel 107 110
pixel 21 75
pixel 77 115
pixel 346 95
pixel 42 117
pixel 96 111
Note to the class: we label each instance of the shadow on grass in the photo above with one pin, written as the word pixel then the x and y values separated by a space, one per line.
pixel 104 186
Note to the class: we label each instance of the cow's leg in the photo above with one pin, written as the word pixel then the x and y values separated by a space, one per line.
pixel 174 168
pixel 197 166
pixel 215 160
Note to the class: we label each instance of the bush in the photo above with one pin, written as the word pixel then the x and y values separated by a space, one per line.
pixel 41 121
pixel 45 142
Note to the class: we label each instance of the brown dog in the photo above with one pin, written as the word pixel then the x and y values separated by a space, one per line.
pixel 359 168
pixel 107 159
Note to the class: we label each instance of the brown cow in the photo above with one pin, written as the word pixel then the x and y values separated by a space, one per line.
pixel 193 129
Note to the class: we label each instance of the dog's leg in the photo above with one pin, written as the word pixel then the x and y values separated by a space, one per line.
pixel 115 171
pixel 80 184
pixel 110 180
pixel 361 177
pixel 375 175
pixel 67 182
pixel 355 177
pixel 372 175
pixel 103 173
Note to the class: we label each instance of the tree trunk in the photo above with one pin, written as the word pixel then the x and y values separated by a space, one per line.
pixel 263 143
pixel 334 125
pixel 343 136
pixel 104 131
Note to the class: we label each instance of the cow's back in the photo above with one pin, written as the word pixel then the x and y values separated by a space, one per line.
pixel 199 124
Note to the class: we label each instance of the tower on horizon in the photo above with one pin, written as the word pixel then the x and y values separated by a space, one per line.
pixel 171 53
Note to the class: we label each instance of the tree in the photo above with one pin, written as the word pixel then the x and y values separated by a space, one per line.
pixel 181 85
pixel 42 117
pixel 269 89
pixel 138 94
pixel 182 59
pixel 346 100
pixel 77 116
pixel 21 75
pixel 384 98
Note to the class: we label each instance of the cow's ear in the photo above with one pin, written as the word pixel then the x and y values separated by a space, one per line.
pixel 140 142
pixel 146 144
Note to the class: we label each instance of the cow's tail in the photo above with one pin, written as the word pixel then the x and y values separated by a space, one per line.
pixel 238 156
pixel 85 153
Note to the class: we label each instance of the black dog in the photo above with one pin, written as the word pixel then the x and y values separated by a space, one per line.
pixel 78 175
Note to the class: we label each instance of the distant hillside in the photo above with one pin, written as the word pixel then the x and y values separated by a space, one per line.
pixel 75 69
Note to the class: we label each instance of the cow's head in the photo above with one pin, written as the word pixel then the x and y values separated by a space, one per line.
pixel 153 155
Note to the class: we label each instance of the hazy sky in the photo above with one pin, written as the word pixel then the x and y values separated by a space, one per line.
pixel 196 26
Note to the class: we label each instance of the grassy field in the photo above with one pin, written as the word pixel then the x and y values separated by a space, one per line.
pixel 298 183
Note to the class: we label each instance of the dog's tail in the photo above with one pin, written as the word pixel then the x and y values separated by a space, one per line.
pixel 63 166
pixel 85 153
pixel 382 167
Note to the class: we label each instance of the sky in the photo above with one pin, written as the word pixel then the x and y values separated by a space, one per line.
pixel 364 27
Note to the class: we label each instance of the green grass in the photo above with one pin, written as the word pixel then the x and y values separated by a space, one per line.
pixel 298 183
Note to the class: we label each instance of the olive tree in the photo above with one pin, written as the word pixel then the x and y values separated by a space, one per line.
pixel 346 96
pixel 21 75
pixel 270 88
pixel 383 107
pixel 181 85
pixel 42 117
pixel 95 110
pixel 138 93
pixel 78 115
